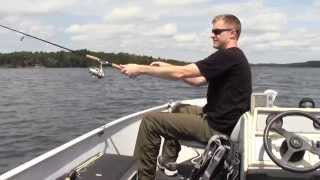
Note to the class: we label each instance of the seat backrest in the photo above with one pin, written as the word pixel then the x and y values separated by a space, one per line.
pixel 235 134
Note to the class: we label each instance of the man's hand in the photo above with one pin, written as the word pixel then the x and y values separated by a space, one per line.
pixel 160 64
pixel 131 70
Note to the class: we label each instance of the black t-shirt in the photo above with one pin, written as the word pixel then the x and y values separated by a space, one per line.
pixel 229 87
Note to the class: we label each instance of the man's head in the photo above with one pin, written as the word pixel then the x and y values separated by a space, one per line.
pixel 225 31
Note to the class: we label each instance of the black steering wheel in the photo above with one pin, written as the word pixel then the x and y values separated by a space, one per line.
pixel 294 142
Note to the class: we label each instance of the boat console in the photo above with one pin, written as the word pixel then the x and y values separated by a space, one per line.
pixel 281 142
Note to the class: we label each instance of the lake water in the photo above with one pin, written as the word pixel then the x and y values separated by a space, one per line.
pixel 43 108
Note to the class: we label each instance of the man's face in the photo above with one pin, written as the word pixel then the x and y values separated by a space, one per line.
pixel 221 34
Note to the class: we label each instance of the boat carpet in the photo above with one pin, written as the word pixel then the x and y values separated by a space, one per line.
pixel 109 166
pixel 119 167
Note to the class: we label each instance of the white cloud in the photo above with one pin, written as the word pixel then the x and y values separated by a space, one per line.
pixel 178 2
pixel 267 22
pixel 33 7
pixel 130 14
pixel 169 29
pixel 29 27
pixel 248 40
pixel 97 31
pixel 316 10
pixel 183 38
pixel 124 13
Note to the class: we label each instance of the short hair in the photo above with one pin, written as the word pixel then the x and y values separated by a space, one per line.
pixel 229 19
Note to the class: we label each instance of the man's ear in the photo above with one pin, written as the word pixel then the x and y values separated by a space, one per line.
pixel 234 35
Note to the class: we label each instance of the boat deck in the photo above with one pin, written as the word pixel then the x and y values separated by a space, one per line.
pixel 118 167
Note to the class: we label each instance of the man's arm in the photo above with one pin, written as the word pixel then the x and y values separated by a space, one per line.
pixel 167 72
pixel 196 81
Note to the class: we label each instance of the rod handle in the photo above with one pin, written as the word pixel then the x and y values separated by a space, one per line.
pixel 99 60
pixel 116 66
pixel 93 57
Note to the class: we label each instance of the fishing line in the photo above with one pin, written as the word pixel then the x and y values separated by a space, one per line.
pixel 95 71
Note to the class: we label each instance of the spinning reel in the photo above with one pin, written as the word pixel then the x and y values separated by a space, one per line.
pixel 98 71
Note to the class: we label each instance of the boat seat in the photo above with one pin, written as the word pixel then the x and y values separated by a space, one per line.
pixel 234 137
pixel 235 134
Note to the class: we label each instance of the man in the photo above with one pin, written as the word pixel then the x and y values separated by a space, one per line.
pixel 228 76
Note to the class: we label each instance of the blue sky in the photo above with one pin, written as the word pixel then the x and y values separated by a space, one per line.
pixel 274 31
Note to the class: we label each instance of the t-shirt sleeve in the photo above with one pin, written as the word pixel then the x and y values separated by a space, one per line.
pixel 215 64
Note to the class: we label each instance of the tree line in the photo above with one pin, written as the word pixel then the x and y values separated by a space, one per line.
pixel 307 64
pixel 68 59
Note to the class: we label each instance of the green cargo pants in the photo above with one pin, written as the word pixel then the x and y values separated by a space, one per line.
pixel 186 122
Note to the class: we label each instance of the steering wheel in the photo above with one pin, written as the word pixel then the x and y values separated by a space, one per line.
pixel 294 142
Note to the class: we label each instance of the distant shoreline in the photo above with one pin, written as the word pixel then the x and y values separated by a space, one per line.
pixel 63 59
pixel 307 64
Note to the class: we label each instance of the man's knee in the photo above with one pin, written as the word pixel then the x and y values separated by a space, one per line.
pixel 180 108
pixel 149 120
pixel 150 116
pixel 187 109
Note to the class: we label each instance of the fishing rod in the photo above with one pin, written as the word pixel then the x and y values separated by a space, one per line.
pixel 95 71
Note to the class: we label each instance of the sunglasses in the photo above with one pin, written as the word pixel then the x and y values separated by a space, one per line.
pixel 219 31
